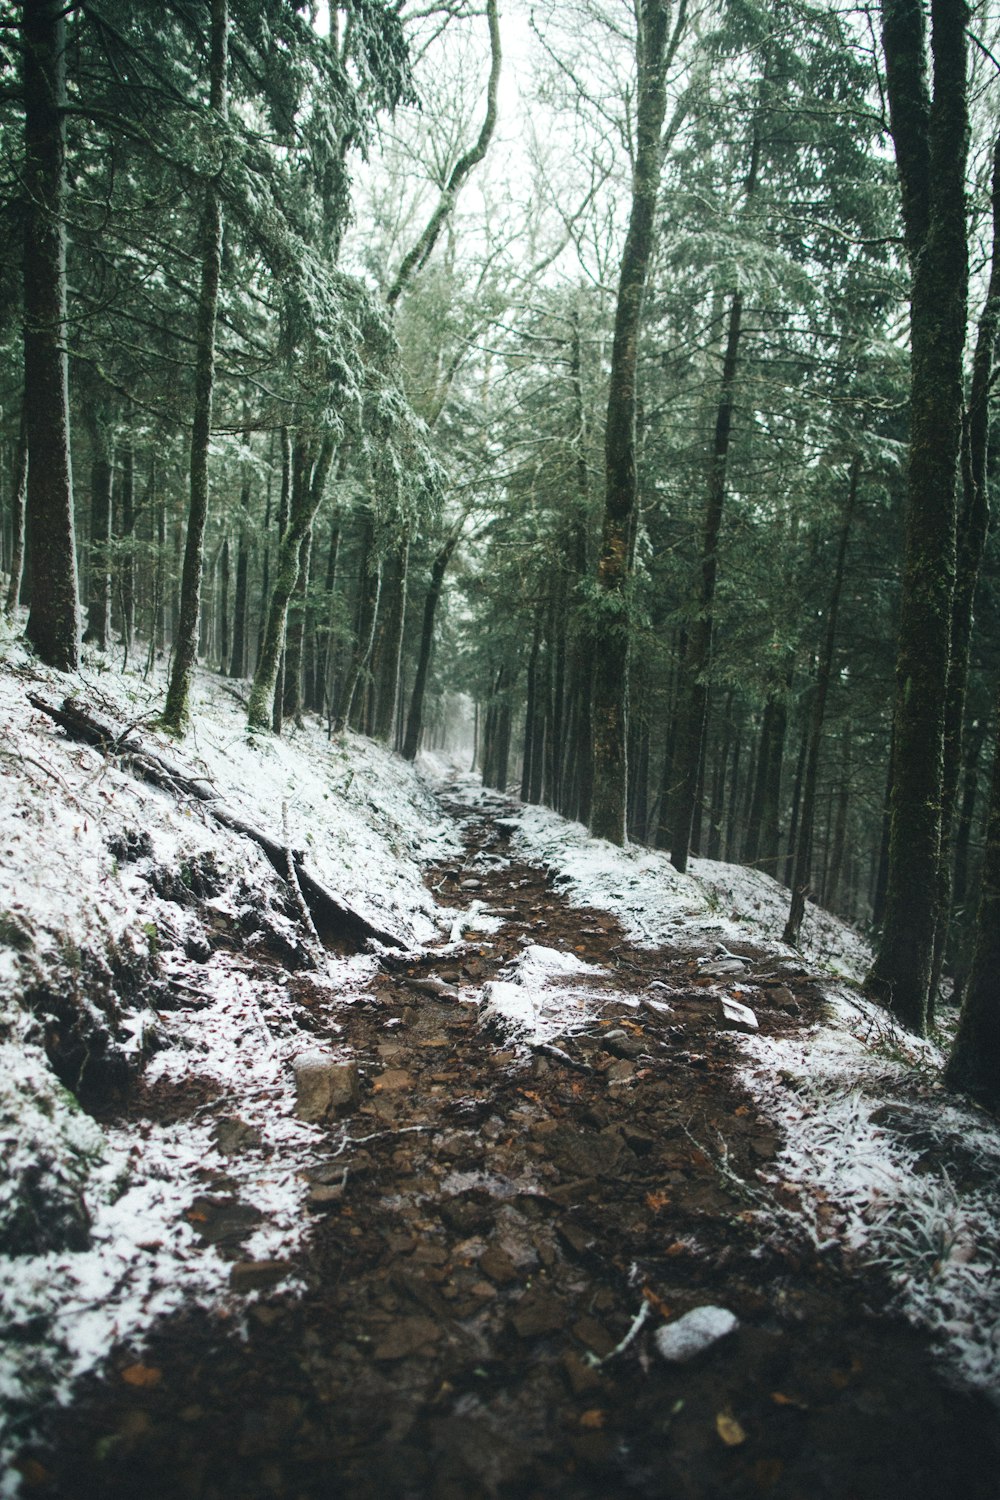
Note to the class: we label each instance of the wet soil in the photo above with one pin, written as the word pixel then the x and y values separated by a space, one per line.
pixel 489 1224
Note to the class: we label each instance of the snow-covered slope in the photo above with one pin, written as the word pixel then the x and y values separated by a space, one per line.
pixel 113 897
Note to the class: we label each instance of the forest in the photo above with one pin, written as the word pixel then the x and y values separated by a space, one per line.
pixel 594 398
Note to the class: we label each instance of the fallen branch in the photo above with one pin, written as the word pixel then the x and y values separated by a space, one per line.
pixel 334 920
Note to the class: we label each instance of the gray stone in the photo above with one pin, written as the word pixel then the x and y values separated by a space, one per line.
pixel 323 1085
pixel 730 1015
pixel 695 1332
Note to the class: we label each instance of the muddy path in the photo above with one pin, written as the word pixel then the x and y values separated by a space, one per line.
pixel 489 1224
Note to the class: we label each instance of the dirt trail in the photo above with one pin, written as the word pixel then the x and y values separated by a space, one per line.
pixel 503 1218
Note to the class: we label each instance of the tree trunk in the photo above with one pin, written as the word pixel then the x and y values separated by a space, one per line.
pixel 302 509
pixel 611 656
pixel 974 1065
pixel 931 146
pixel 802 874
pixel 18 494
pixel 388 653
pixel 973 524
pixel 53 627
pixel 126 573
pixel 176 709
pixel 693 695
pixel 414 722
pixel 238 660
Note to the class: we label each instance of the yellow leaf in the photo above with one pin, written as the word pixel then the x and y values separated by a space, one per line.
pixel 729 1430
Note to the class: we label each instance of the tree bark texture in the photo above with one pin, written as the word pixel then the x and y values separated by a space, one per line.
pixel 901 974
pixel 53 627
pixel 18 497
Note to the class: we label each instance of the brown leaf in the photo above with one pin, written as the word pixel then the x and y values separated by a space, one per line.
pixel 655 1302
pixel 142 1376
pixel 593 1420
pixel 729 1430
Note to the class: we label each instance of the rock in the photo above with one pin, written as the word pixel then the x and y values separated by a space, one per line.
pixel 408 1336
pixel 620 1071
pixel 325 1195
pixel 730 1015
pixel 392 1080
pixel 581 1376
pixel 537 1313
pixel 432 986
pixel 695 1332
pixel 585 1154
pixel 721 967
pixel 594 1336
pixel 498 1265
pixel 323 1085
pixel 235 1136
pixel 255 1275
pixel 622 1044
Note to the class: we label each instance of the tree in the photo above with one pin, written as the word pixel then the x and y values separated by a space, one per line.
pixel 655 46
pixel 175 710
pixel 930 133
pixel 54 616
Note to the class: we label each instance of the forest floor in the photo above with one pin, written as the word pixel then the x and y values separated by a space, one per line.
pixel 490 1219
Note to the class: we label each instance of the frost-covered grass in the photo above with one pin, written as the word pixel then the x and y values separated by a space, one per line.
pixel 716 902
pixel 891 1170
pixel 109 890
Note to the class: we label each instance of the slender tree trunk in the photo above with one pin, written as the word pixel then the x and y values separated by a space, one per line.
pixel 937 237
pixel 611 657
pixel 414 722
pixel 127 568
pixel 389 645
pixel 238 660
pixel 53 627
pixel 176 709
pixel 802 875
pixel 98 580
pixel 304 502
pixel 295 634
pixel 18 495
pixel 697 659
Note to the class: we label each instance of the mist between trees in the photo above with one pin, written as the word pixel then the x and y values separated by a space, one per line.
pixel 625 368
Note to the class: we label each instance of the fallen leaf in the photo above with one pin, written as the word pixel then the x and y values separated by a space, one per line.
pixel 744 1109
pixel 655 1302
pixel 143 1376
pixel 594 1419
pixel 780 1399
pixel 729 1430
pixel 657 1200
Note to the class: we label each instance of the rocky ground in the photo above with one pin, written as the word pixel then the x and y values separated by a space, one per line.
pixel 502 1231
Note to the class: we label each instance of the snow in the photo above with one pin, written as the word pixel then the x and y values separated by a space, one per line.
pixel 715 903
pixel 921 1200
pixel 696 1331
pixel 86 855
pixel 540 998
